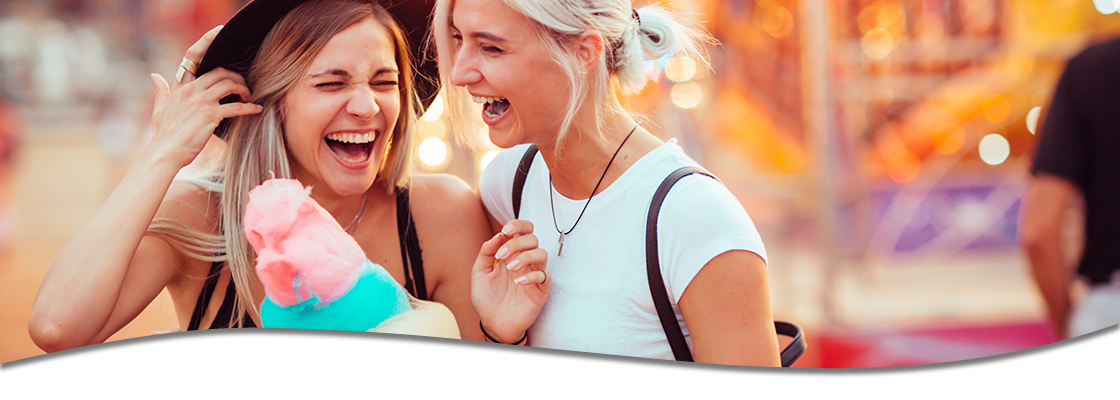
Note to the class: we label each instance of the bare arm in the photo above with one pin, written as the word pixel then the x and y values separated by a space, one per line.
pixel 727 310
pixel 109 271
pixel 1043 217
pixel 455 226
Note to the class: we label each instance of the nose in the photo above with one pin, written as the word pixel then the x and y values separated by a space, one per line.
pixel 464 71
pixel 363 104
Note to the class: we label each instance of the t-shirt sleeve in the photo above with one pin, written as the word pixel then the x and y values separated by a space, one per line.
pixel 496 183
pixel 700 220
pixel 1060 149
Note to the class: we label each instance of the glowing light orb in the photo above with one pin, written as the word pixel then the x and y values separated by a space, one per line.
pixel 994 149
pixel 433 151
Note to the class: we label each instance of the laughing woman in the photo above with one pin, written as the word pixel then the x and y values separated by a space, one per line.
pixel 546 73
pixel 330 102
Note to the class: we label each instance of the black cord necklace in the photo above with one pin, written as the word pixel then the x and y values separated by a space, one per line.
pixel 596 189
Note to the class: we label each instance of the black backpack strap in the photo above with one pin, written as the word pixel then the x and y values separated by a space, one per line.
pixel 789 354
pixel 653 267
pixel 519 177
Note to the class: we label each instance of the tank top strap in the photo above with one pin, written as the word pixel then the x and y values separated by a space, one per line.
pixel 411 258
pixel 204 296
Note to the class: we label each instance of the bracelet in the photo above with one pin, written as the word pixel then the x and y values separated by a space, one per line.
pixel 491 338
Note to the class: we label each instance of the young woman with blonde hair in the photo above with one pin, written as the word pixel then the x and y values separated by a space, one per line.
pixel 546 74
pixel 330 102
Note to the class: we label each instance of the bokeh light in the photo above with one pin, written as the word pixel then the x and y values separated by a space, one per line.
pixel 485 160
pixel 996 108
pixel 1107 6
pixel 680 68
pixel 790 158
pixel 433 151
pixel 1032 119
pixel 903 166
pixel 878 44
pixel 687 95
pixel 949 138
pixel 435 111
pixel 994 149
pixel 774 19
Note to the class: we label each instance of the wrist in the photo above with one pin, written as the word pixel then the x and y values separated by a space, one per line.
pixel 502 339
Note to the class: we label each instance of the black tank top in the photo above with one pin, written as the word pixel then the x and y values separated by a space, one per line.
pixel 410 257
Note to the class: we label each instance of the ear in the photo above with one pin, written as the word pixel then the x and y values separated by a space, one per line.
pixel 588 49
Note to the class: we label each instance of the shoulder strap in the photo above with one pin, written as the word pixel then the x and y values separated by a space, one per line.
pixel 519 177
pixel 789 354
pixel 204 296
pixel 411 260
pixel 653 266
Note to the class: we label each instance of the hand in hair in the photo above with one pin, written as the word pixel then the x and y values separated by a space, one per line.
pixel 185 114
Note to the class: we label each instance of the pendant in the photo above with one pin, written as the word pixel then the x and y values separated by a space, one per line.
pixel 561 250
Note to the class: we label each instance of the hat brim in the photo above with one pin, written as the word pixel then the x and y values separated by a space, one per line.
pixel 236 45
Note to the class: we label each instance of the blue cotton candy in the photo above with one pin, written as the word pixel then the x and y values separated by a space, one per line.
pixel 376 297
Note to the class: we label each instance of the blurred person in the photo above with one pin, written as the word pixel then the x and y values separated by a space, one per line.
pixel 1076 154
pixel 546 74
pixel 10 127
pixel 329 102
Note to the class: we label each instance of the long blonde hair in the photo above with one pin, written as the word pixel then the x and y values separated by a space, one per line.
pixel 630 41
pixel 256 150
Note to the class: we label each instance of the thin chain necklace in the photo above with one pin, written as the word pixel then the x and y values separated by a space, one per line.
pixel 596 189
pixel 357 218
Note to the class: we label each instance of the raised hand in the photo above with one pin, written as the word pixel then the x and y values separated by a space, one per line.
pixel 186 112
pixel 509 284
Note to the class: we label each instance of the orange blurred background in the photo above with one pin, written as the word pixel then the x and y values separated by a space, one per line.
pixel 881 147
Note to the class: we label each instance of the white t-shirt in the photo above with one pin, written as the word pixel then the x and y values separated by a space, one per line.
pixel 600 300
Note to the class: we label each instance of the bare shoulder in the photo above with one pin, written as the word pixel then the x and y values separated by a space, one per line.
pixel 193 206
pixel 444 197
pixel 450 218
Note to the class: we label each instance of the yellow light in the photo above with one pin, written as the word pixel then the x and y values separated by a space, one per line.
pixel 903 166
pixel 486 159
pixel 949 138
pixel 687 95
pixel 435 110
pixel 680 68
pixel 1032 119
pixel 877 44
pixel 994 149
pixel 996 108
pixel 433 151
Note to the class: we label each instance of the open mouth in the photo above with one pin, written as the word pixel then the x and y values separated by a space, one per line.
pixel 493 107
pixel 351 147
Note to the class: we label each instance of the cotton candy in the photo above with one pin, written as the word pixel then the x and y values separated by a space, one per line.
pixel 315 275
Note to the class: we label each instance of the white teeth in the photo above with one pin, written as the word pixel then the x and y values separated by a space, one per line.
pixel 485 100
pixel 351 137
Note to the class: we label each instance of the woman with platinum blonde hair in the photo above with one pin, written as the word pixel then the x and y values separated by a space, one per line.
pixel 546 74
pixel 329 101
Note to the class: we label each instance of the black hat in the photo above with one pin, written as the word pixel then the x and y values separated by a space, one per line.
pixel 237 43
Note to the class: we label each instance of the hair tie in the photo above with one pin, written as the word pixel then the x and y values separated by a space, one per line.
pixel 636 17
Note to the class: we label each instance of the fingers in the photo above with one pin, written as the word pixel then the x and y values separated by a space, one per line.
pixel 239 109
pixel 533 278
pixel 162 89
pixel 517 227
pixel 515 245
pixel 197 50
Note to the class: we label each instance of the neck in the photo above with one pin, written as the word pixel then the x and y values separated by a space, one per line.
pixel 346 209
pixel 578 162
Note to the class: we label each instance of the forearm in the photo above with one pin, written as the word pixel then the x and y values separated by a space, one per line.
pixel 80 290
pixel 1052 279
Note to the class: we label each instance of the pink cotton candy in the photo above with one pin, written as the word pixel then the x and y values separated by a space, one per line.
pixel 302 252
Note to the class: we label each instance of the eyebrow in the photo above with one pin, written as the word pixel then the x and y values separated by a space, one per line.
pixel 479 35
pixel 344 74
